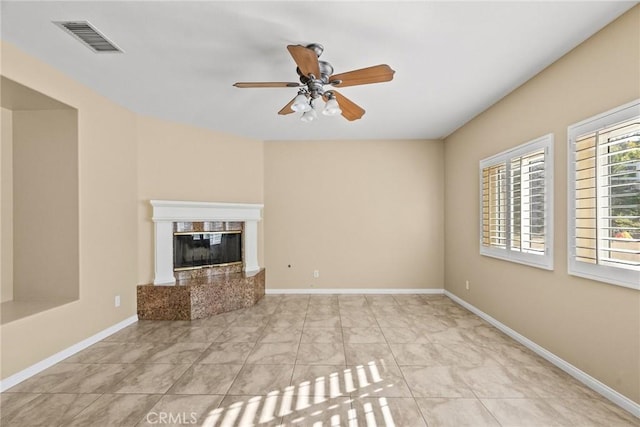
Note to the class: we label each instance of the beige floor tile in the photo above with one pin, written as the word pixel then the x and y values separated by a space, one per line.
pixel 116 410
pixel 351 301
pixel 448 335
pixel 293 307
pixel 103 349
pixel 206 379
pixel 436 381
pixel 321 354
pixel 47 410
pixel 150 379
pixel 181 410
pixel 463 354
pixel 353 360
pixel 323 310
pixel 75 378
pixel 523 412
pixel 363 335
pixel 273 353
pixel 226 352
pixel 389 311
pixel 331 412
pixel 276 334
pixel 322 321
pixel 167 333
pixel 376 379
pixel 356 320
pixel 130 352
pixel 315 381
pixel 394 321
pixel 410 300
pixel 416 354
pixel 387 411
pixel 11 403
pixel 465 321
pixel 591 413
pixel 456 413
pixel 252 320
pixel 202 334
pixel 488 335
pixel 262 379
pixel 381 300
pixel 405 336
pixel 247 410
pixel 220 321
pixel 176 353
pixel 323 300
pixel 551 382
pixel 365 353
pixel 240 334
pixel 292 321
pixel 322 335
pixel 496 381
pixel 513 354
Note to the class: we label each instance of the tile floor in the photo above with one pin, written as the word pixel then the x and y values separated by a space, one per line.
pixel 353 360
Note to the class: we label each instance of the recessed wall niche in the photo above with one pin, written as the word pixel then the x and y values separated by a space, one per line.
pixel 39 203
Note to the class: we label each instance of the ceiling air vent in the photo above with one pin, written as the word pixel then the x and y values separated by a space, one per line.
pixel 90 36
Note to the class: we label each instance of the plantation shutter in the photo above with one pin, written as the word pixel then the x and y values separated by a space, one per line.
pixel 607 196
pixel 516 192
pixel 494 206
pixel 527 202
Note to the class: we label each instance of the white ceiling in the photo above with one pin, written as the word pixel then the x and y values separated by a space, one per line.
pixel 452 59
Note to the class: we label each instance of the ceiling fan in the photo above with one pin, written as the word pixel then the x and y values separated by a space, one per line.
pixel 314 76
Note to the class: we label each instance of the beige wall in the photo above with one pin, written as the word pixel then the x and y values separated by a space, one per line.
pixel 45 202
pixel 592 325
pixel 107 220
pixel 6 205
pixel 179 162
pixel 366 214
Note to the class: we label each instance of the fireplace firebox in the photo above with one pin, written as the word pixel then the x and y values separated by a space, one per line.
pixel 193 250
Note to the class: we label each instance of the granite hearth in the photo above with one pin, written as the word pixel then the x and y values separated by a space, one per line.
pixel 197 298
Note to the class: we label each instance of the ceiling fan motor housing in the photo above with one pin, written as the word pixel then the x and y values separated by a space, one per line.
pixel 315 85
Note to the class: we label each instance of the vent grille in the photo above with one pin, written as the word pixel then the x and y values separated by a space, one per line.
pixel 89 36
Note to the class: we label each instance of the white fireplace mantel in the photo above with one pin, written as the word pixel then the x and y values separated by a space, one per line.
pixel 166 212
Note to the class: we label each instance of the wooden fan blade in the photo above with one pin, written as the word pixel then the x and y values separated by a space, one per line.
pixel 306 59
pixel 350 110
pixel 265 84
pixel 287 108
pixel 364 76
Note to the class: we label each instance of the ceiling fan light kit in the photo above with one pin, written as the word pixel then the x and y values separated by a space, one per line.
pixel 314 75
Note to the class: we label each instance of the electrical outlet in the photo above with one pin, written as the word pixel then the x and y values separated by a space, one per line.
pixel 316 274
pixel 467 284
pixel 117 301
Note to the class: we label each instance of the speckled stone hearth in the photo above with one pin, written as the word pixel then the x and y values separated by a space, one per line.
pixel 200 297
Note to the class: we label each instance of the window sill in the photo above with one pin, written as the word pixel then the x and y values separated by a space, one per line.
pixel 612 276
pixel 536 261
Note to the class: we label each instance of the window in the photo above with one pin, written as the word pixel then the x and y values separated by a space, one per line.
pixel 604 197
pixel 516 197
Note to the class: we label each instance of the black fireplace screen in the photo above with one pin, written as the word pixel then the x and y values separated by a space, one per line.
pixel 206 249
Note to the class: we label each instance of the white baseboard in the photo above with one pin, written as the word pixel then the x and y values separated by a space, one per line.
pixel 17 378
pixel 606 391
pixel 334 291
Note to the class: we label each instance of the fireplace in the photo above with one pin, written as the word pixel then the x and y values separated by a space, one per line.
pixel 178 224
pixel 206 259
